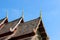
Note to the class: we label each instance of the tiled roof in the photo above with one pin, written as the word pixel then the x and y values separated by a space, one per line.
pixel 7 27
pixel 27 27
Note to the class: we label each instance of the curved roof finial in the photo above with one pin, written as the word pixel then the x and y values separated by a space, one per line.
pixel 41 14
pixel 22 13
pixel 6 14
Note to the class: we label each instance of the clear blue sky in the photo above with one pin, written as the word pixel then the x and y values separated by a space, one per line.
pixel 50 13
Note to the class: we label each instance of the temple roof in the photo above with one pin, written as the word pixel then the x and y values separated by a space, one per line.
pixel 27 27
pixel 7 27
pixel 21 29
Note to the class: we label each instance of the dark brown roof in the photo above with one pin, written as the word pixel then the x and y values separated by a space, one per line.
pixel 41 31
pixel 7 27
pixel 27 27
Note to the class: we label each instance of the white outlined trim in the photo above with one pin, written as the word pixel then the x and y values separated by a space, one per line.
pixel 3 21
pixel 12 29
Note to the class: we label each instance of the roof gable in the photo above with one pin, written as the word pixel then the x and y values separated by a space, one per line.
pixel 7 27
pixel 26 28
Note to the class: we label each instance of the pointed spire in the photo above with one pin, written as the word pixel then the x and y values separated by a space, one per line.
pixel 41 15
pixel 6 14
pixel 22 13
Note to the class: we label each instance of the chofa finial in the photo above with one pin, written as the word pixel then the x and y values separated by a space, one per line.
pixel 22 13
pixel 6 13
pixel 41 14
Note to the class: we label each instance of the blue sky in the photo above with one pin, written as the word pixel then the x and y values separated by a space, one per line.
pixel 50 13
